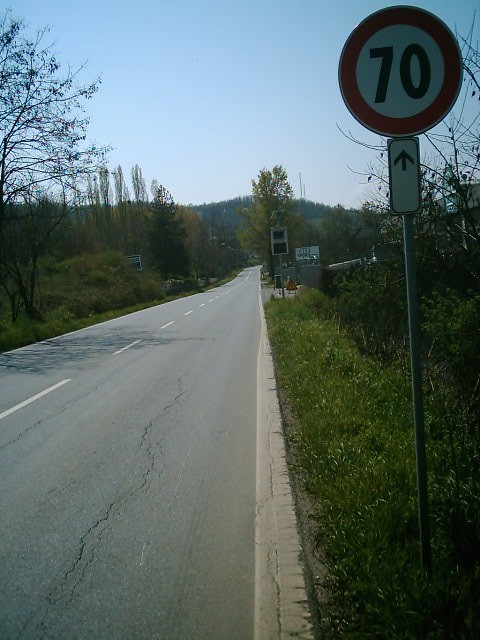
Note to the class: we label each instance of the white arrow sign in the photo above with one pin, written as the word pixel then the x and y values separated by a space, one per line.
pixel 404 174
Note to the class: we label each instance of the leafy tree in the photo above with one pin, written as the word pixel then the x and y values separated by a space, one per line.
pixel 197 241
pixel 167 236
pixel 272 205
pixel 42 151
pixel 335 231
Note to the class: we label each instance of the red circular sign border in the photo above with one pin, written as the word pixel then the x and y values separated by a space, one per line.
pixel 426 119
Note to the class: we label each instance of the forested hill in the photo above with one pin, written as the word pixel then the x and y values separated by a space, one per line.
pixel 225 212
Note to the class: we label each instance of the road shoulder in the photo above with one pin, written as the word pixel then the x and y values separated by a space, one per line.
pixel 281 602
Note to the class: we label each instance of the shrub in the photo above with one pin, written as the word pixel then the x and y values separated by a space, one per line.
pixel 371 305
pixel 452 337
pixel 97 283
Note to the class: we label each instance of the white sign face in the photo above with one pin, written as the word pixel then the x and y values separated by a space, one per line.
pixel 395 76
pixel 307 253
pixel 404 173
pixel 400 71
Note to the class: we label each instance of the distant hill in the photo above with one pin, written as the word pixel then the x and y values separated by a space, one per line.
pixel 224 213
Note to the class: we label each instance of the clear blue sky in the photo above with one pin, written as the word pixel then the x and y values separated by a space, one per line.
pixel 203 94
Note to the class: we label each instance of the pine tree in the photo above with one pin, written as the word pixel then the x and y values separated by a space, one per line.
pixel 167 236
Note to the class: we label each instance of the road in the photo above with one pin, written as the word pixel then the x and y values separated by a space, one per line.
pixel 128 471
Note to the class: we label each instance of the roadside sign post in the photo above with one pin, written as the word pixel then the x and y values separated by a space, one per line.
pixel 400 73
pixel 417 391
pixel 279 244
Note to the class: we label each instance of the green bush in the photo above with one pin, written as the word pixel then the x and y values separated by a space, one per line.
pixel 81 288
pixel 96 283
pixel 371 305
pixel 452 337
pixel 13 335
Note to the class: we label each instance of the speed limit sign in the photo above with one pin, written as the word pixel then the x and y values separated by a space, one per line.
pixel 400 71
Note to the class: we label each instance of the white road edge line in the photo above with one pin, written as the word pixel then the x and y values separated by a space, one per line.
pixel 168 324
pixel 127 347
pixel 33 398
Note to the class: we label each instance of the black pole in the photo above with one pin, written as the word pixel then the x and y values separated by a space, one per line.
pixel 416 365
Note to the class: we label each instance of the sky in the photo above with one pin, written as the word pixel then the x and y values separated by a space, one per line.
pixel 204 94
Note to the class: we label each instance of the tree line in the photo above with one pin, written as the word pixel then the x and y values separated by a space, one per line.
pixel 173 239
pixel 59 199
pixel 170 239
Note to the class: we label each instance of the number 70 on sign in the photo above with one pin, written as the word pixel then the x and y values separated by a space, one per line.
pixel 400 71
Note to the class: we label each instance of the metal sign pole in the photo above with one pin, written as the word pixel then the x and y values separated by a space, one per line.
pixel 393 109
pixel 281 274
pixel 279 243
pixel 416 366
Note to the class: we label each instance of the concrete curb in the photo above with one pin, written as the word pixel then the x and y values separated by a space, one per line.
pixel 281 604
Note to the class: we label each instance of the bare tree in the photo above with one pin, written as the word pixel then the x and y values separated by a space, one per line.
pixel 138 183
pixel 42 135
pixel 122 197
pixel 122 193
pixel 450 173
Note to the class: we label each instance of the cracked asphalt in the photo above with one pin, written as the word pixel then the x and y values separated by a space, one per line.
pixel 128 466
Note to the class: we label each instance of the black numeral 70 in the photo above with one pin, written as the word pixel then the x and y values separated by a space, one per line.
pixel 413 50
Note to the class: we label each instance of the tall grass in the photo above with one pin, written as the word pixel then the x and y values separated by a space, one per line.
pixel 353 445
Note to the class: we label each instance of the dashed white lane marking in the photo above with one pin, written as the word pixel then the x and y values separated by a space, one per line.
pixel 142 559
pixel 127 347
pixel 33 398
pixel 60 384
pixel 168 324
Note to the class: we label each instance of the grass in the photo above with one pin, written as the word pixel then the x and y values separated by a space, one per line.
pixel 351 439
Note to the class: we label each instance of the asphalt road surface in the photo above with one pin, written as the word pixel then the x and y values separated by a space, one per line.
pixel 127 470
